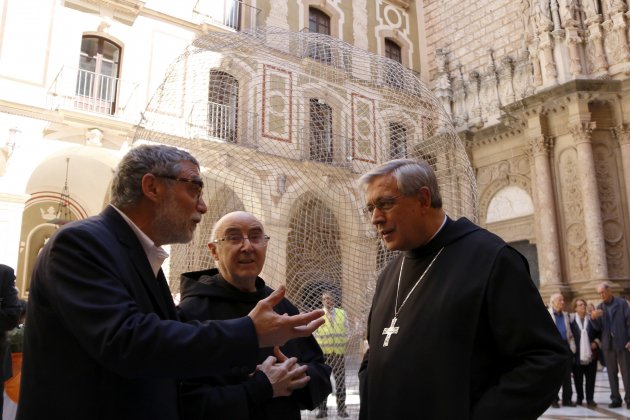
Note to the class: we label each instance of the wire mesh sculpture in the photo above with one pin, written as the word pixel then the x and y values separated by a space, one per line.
pixel 283 123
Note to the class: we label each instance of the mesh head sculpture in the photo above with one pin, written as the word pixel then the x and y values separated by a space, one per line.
pixel 283 124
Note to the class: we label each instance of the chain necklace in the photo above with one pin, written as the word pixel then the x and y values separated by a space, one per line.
pixel 392 329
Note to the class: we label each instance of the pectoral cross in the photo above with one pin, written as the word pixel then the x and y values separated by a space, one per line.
pixel 389 331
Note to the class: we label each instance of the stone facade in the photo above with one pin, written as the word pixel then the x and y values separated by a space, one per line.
pixel 536 89
pixel 545 81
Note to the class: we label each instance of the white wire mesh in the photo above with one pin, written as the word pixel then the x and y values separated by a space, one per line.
pixel 283 124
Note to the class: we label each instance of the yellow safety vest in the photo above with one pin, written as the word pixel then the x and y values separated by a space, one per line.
pixel 332 336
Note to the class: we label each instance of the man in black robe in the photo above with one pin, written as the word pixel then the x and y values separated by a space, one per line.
pixel 457 329
pixel 280 387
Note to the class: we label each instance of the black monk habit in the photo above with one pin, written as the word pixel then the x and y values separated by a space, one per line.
pixel 474 339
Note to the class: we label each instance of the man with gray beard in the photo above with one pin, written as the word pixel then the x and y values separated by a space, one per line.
pixel 103 339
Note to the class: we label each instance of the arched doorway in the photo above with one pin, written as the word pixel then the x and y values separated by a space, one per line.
pixel 313 253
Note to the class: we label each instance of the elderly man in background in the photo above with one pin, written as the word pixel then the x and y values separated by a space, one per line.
pixel 611 320
pixel 563 323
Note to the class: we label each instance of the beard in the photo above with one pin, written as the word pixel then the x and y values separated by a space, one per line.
pixel 171 225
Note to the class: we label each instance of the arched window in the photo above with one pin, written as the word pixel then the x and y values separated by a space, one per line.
pixel 222 106
pixel 97 78
pixel 397 140
pixel 392 71
pixel 321 134
pixel 319 23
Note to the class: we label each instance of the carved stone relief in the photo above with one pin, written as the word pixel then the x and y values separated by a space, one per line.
pixel 611 209
pixel 493 178
pixel 573 215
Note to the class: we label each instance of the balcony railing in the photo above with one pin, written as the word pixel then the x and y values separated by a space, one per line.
pixel 229 13
pixel 212 121
pixel 92 92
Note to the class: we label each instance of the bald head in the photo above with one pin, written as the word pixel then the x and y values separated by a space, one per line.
pixel 228 218
pixel 239 248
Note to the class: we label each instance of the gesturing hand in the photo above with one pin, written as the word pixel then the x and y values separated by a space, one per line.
pixel 285 377
pixel 275 330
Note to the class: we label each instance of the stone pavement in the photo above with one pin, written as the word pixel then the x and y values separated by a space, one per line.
pixel 601 412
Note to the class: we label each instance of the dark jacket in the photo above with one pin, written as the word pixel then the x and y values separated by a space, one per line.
pixel 614 324
pixel 239 395
pixel 9 317
pixel 102 339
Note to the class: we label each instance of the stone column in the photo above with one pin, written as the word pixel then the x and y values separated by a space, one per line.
pixel 623 136
pixel 598 267
pixel 547 242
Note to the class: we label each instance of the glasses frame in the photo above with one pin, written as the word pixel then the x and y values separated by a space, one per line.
pixel 384 204
pixel 198 182
pixel 264 241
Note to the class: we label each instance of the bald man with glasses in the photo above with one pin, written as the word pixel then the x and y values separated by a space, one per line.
pixel 287 380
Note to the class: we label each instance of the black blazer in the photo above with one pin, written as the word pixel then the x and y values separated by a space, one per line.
pixel 9 318
pixel 102 340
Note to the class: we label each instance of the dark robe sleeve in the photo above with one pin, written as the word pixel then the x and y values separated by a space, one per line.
pixel 236 402
pixel 363 376
pixel 308 352
pixel 363 386
pixel 533 357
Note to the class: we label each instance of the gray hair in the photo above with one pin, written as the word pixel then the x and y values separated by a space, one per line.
pixel 410 176
pixel 554 297
pixel 158 159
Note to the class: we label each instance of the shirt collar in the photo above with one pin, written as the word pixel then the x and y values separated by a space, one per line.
pixel 155 254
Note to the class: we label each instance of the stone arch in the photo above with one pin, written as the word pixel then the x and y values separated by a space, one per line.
pixel 512 179
pixel 44 186
pixel 313 249
pixel 509 202
pixel 221 196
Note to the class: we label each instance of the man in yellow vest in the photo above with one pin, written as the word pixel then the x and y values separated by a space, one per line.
pixel 333 339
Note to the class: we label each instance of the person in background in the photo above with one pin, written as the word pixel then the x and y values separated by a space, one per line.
pixel 9 317
pixel 103 339
pixel 611 320
pixel 585 364
pixel 287 380
pixel 563 323
pixel 12 385
pixel 333 338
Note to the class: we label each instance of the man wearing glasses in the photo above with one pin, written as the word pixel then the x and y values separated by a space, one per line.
pixel 103 339
pixel 282 385
pixel 457 329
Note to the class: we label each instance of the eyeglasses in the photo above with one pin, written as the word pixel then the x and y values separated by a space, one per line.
pixel 383 204
pixel 196 182
pixel 237 239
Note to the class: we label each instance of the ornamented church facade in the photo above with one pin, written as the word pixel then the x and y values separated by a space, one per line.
pixel 536 91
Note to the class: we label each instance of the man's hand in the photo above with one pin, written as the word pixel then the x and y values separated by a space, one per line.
pixel 285 377
pixel 596 313
pixel 275 330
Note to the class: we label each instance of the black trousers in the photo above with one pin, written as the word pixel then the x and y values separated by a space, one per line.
pixel 588 373
pixel 567 388
pixel 338 365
